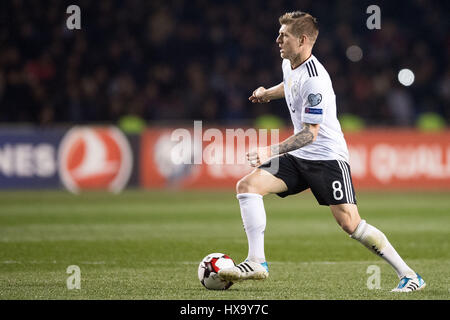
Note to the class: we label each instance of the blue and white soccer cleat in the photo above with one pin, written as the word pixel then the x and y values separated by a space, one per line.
pixel 247 270
pixel 410 284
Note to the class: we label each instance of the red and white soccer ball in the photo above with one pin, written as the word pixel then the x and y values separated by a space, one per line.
pixel 210 266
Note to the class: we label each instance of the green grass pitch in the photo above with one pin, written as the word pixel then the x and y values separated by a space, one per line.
pixel 148 244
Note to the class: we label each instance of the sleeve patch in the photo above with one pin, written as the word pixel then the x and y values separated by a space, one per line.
pixel 313 110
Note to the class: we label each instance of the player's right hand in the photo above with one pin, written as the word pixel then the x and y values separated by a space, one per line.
pixel 258 156
pixel 259 96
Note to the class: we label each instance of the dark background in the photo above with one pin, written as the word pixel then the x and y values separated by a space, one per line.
pixel 170 61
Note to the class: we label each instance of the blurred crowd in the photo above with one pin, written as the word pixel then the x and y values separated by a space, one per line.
pixel 167 61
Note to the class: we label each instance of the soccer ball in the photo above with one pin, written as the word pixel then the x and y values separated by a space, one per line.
pixel 210 266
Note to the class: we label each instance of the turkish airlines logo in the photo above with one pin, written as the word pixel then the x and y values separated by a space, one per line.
pixel 95 158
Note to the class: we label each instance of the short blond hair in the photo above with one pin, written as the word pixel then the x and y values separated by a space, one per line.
pixel 301 23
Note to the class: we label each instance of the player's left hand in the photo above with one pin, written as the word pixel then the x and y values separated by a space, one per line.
pixel 258 156
pixel 259 96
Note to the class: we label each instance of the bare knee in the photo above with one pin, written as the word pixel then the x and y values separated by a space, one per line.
pixel 260 182
pixel 244 186
pixel 249 185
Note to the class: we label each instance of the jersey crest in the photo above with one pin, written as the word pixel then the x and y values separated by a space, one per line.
pixel 295 89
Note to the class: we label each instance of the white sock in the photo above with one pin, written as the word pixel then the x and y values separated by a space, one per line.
pixel 254 217
pixel 376 241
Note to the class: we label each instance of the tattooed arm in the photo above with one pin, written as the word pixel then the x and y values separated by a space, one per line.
pixel 306 136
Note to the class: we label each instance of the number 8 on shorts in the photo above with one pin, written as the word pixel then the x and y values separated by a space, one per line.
pixel 337 190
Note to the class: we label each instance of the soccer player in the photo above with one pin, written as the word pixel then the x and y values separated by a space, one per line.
pixel 315 157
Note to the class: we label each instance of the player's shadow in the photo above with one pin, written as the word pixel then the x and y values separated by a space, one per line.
pixel 229 292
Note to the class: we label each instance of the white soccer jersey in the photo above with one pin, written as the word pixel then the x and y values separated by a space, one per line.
pixel 310 98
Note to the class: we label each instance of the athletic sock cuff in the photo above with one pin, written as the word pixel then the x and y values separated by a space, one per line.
pixel 359 230
pixel 248 195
